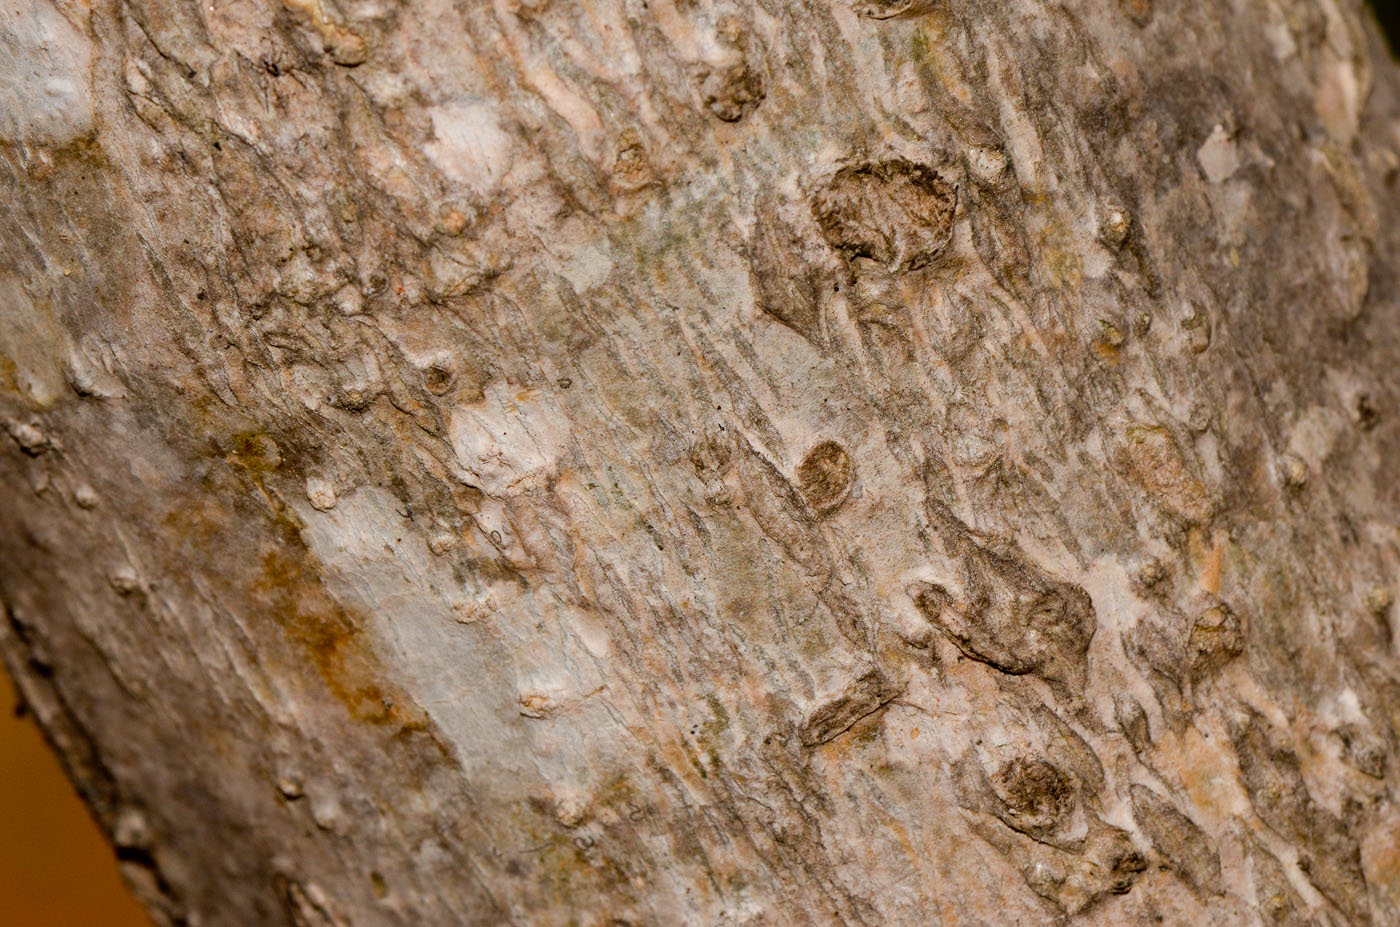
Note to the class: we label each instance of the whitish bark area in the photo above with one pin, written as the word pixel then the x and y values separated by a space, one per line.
pixel 710 462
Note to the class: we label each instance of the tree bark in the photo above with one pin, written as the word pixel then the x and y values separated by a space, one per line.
pixel 710 462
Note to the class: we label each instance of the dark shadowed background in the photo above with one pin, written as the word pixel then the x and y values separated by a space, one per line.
pixel 56 869
pixel 1388 13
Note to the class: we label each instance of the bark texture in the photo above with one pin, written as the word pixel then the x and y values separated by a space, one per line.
pixel 710 462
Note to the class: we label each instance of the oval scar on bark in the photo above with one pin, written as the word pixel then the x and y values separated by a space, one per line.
pixel 896 213
pixel 825 476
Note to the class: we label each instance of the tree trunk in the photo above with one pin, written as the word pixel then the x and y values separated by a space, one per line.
pixel 710 462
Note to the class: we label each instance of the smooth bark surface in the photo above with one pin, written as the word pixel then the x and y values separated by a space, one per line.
pixel 692 462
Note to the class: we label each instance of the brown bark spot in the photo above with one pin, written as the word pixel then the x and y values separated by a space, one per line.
pixel 825 476
pixel 862 697
pixel 438 379
pixel 1014 618
pixel 785 286
pixel 1038 796
pixel 732 92
pixel 1216 638
pixel 632 169
pixel 896 213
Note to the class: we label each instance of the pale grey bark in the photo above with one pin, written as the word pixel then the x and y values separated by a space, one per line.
pixel 714 462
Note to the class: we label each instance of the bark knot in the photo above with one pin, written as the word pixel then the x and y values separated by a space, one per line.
pixel 895 212
pixel 825 476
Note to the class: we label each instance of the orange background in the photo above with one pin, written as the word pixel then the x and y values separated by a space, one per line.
pixel 56 869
